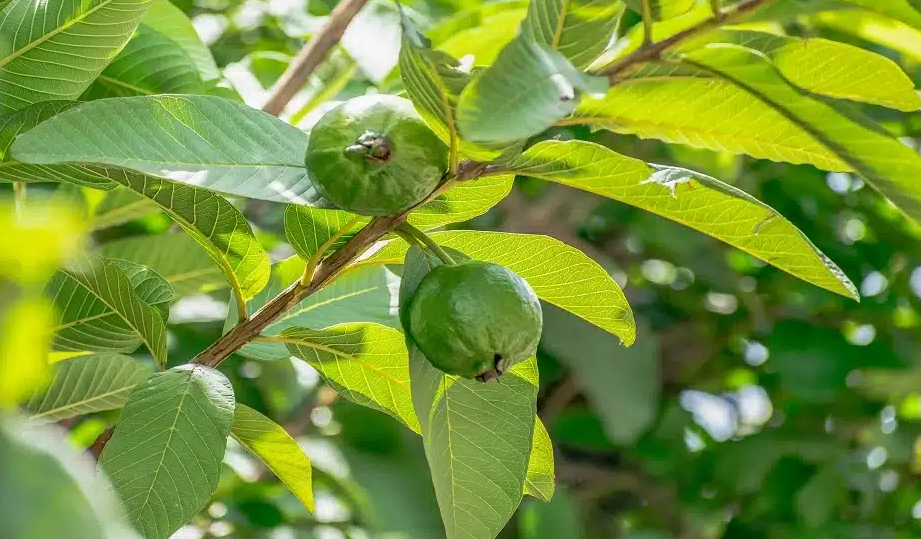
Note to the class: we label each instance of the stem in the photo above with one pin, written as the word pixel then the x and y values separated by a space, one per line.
pixel 314 261
pixel 654 51
pixel 242 310
pixel 299 70
pixel 424 239
pixel 19 199
pixel 717 9
pixel 647 22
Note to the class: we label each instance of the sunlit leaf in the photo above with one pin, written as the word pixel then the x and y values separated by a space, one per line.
pixel 580 30
pixel 541 479
pixel 662 9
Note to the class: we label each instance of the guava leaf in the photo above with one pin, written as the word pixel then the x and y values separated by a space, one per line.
pixel 119 206
pixel 164 458
pixel 33 65
pixel 662 9
pixel 541 478
pixel 366 363
pixel 689 198
pixel 202 141
pixel 101 308
pixel 192 273
pixel 874 28
pixel 900 10
pixel 169 20
pixel 87 384
pixel 579 29
pixel 277 449
pixel 524 92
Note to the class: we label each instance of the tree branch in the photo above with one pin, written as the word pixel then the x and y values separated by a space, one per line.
pixel 294 78
pixel 654 51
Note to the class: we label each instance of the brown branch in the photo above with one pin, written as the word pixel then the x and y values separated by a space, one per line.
pixel 100 443
pixel 653 51
pixel 294 78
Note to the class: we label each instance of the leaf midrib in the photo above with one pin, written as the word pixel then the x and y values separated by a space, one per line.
pixel 338 353
pixel 83 402
pixel 46 37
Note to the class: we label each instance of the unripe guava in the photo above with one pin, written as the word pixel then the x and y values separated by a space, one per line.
pixel 373 155
pixel 475 319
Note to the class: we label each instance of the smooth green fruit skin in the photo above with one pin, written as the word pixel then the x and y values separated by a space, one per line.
pixel 417 160
pixel 463 316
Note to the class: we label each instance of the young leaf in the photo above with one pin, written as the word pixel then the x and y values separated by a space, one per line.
pixel 119 206
pixel 580 30
pixel 524 92
pixel 477 436
pixel 100 309
pixel 87 384
pixel 164 459
pixel 559 274
pixel 202 141
pixel 365 362
pixel 662 9
pixel 13 171
pixel 690 198
pixel 219 227
pixel 150 63
pixel 541 478
pixel 191 273
pixel 828 67
pixel 35 64
pixel 886 163
pixel 168 20
pixel 277 449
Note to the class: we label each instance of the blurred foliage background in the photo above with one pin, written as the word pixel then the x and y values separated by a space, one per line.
pixel 753 405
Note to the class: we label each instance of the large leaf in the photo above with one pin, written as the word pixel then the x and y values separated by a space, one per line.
pixel 119 206
pixel 25 119
pixel 54 50
pixel 191 273
pixel 690 198
pixel 541 478
pixel 203 141
pixel 580 30
pixel 218 226
pixel 477 435
pixel 101 308
pixel 169 20
pixel 481 32
pixel 559 274
pixel 277 449
pixel 365 362
pixel 164 458
pixel 662 9
pixel 524 92
pixel 87 384
pixel 365 293
pixel 901 10
pixel 875 29
pixel 829 67
pixel 886 163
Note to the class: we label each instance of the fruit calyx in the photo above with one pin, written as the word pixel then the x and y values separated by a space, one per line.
pixel 494 373
pixel 370 147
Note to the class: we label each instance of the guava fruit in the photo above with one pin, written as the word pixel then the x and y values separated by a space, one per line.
pixel 475 319
pixel 373 155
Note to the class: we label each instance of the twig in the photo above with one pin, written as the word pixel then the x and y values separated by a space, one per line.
pixel 423 238
pixel 654 51
pixel 647 22
pixel 294 78
pixel 100 443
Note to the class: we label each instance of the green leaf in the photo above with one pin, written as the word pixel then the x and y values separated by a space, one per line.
pixel 49 490
pixel 192 273
pixel 307 229
pixel 169 20
pixel 219 227
pixel 148 285
pixel 883 161
pixel 689 198
pixel 119 206
pixel 622 385
pixel 874 28
pixel 277 449
pixel 202 141
pixel 366 363
pixel 101 308
pixel 164 459
pixel 524 92
pixel 559 274
pixel 477 436
pixel 580 30
pixel 39 61
pixel 829 68
pixel 900 10
pixel 365 293
pixel 25 119
pixel 541 478
pixel 662 9
pixel 87 384
pixel 151 63
pixel 559 518
pixel 481 32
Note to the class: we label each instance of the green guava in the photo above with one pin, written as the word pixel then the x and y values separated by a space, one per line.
pixel 373 155
pixel 475 319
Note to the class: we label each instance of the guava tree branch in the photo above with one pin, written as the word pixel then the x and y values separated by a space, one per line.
pixel 653 51
pixel 294 78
